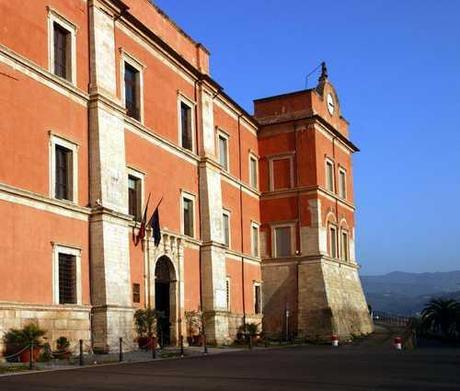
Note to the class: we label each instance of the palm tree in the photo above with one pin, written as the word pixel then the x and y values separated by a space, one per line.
pixel 441 315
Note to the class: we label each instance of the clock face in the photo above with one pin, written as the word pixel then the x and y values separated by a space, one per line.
pixel 330 103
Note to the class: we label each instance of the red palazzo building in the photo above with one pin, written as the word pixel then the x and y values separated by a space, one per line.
pixel 107 103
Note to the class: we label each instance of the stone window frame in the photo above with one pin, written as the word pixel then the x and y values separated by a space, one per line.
pixel 131 60
pixel 333 227
pixel 55 140
pixel 343 194
pixel 191 197
pixel 181 98
pixel 131 171
pixel 344 232
pixel 329 161
pixel 220 133
pixel 228 293
pixel 273 227
pixel 256 225
pixel 66 24
pixel 69 250
pixel 271 160
pixel 254 285
pixel 228 213
pixel 253 157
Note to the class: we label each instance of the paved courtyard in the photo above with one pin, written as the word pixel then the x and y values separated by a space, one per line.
pixel 359 367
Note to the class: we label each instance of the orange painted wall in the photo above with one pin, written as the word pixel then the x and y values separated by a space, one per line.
pixel 24 132
pixel 31 39
pixel 26 252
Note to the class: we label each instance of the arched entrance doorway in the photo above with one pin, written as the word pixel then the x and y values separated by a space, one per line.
pixel 165 300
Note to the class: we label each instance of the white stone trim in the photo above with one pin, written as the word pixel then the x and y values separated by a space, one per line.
pixel 222 134
pixel 343 194
pixel 227 213
pixel 188 196
pixel 76 252
pixel 271 171
pixel 181 98
pixel 253 157
pixel 130 171
pixel 273 228
pixel 344 257
pixel 55 17
pixel 328 161
pixel 333 227
pixel 257 226
pixel 127 58
pixel 57 140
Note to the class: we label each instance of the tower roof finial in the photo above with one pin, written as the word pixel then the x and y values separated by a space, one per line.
pixel 323 76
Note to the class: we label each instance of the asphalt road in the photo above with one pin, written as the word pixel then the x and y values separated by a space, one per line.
pixel 297 368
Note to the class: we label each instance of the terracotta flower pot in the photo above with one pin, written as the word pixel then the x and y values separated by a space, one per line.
pixel 25 355
pixel 146 343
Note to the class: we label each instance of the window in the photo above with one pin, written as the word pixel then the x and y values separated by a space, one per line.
pixel 186 125
pixel 226 228
pixel 228 292
pixel 281 173
pixel 255 239
pixel 63 177
pixel 257 299
pixel 223 151
pixel 329 175
pixel 253 177
pixel 187 215
pixel 61 52
pixel 333 241
pixel 134 197
pixel 62 47
pixel 67 279
pixel 136 293
pixel 132 98
pixel 344 246
pixel 66 275
pixel 63 169
pixel 283 245
pixel 342 183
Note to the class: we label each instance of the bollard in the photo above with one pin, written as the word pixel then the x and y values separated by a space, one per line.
pixel 205 345
pixel 250 342
pixel 31 355
pixel 80 357
pixel 398 343
pixel 153 343
pixel 335 341
pixel 181 346
pixel 121 349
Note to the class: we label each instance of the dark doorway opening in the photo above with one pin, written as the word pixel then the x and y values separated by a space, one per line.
pixel 163 290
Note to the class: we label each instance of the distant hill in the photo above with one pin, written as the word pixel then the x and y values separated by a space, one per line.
pixel 406 293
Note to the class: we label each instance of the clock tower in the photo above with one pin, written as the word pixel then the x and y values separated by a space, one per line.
pixel 310 276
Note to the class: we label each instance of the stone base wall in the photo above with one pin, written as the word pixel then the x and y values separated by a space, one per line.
pixel 279 292
pixel 111 323
pixel 71 322
pixel 331 301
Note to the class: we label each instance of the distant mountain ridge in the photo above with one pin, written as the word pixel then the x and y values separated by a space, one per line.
pixel 406 293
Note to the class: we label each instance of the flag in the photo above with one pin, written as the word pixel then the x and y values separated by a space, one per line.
pixel 154 222
pixel 141 233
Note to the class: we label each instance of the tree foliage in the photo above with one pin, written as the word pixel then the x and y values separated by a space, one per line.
pixel 442 317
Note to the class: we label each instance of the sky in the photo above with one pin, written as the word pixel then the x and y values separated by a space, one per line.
pixel 396 67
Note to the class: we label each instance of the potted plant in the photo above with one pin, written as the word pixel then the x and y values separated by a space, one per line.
pixel 145 321
pixel 21 340
pixel 252 330
pixel 62 345
pixel 194 321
